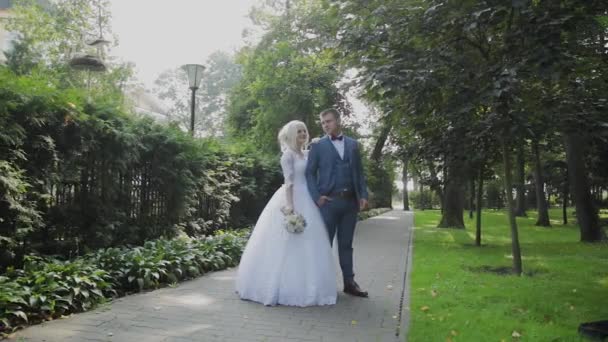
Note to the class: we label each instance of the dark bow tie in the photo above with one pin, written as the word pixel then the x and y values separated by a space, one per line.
pixel 339 137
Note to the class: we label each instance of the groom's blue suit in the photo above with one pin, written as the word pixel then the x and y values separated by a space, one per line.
pixel 341 179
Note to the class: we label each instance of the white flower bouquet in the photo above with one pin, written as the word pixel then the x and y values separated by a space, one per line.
pixel 294 222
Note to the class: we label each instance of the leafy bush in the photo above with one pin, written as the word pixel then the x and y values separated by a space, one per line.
pixel 380 180
pixel 364 215
pixel 259 177
pixel 76 176
pixel 48 288
pixel 425 200
pixel 168 261
pixel 495 197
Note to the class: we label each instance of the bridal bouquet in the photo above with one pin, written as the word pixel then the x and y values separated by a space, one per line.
pixel 294 222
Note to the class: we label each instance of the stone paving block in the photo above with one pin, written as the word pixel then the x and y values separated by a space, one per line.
pixel 177 339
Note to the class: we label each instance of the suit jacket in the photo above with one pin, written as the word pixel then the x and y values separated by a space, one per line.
pixel 320 173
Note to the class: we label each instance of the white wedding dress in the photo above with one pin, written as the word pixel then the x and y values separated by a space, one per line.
pixel 278 267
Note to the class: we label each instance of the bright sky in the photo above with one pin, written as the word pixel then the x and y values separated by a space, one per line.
pixel 158 35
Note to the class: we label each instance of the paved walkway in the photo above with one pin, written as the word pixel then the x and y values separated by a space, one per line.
pixel 207 309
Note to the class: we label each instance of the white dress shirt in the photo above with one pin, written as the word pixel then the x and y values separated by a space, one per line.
pixel 339 145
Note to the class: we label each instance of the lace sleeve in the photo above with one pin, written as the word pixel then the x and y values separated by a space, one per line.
pixel 288 167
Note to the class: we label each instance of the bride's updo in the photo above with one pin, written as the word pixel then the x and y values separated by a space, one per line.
pixel 288 135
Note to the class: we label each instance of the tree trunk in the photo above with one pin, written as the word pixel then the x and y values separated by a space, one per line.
pixel 586 215
pixel 478 204
pixel 453 206
pixel 406 199
pixel 453 203
pixel 421 196
pixel 446 176
pixel 472 199
pixel 541 202
pixel 520 209
pixel 435 185
pixel 565 194
pixel 515 249
pixel 377 151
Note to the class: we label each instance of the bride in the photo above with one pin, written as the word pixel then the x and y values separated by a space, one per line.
pixel 279 267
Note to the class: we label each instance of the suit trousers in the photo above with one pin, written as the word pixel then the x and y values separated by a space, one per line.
pixel 340 216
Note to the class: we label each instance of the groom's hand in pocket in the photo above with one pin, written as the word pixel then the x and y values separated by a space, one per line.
pixel 363 204
pixel 322 200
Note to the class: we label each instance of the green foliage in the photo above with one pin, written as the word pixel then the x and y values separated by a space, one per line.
pixel 58 29
pixel 50 33
pixel 380 179
pixel 287 76
pixel 76 176
pixel 364 215
pixel 168 261
pixel 260 176
pixel 19 209
pixel 424 200
pixel 48 288
pixel 471 78
pixel 453 288
pixel 494 194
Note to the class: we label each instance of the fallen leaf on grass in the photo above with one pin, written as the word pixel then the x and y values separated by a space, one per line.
pixel 515 334
pixel 434 293
pixel 425 308
pixel 454 333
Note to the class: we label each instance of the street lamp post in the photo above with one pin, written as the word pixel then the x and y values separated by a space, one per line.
pixel 195 73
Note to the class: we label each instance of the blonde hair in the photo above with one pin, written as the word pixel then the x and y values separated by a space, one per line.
pixel 288 135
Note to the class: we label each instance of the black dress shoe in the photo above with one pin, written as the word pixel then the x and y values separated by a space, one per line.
pixel 352 288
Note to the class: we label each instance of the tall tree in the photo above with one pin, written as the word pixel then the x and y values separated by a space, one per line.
pixel 286 76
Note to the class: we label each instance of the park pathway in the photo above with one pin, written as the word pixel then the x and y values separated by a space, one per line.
pixel 207 309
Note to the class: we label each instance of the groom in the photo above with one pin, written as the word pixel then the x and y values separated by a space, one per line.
pixel 334 175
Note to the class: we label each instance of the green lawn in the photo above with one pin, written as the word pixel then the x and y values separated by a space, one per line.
pixel 565 282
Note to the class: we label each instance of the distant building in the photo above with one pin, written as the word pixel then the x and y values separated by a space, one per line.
pixel 146 104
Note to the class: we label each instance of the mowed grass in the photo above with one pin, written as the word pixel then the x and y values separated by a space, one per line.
pixel 454 299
